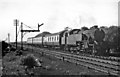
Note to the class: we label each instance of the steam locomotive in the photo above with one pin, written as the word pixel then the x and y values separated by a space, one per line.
pixel 77 40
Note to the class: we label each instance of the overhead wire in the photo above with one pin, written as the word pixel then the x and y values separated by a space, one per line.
pixel 28 26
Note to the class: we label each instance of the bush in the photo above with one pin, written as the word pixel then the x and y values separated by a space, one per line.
pixel 30 61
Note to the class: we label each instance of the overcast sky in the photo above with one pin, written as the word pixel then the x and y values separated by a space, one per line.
pixel 56 14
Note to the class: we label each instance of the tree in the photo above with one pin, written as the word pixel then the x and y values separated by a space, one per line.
pixel 104 27
pixel 113 37
pixel 94 27
pixel 84 28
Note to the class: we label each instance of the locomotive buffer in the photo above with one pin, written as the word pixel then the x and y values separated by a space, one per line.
pixel 22 31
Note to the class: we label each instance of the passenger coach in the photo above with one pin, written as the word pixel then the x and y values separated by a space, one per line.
pixel 53 40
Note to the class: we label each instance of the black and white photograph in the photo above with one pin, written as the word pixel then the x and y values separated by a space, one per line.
pixel 60 38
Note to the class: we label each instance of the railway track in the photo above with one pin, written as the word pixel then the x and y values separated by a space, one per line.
pixel 97 64
pixel 107 66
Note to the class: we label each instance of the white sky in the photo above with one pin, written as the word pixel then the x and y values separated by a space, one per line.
pixel 56 14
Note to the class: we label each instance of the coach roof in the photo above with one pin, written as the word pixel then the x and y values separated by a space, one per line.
pixel 58 33
pixel 43 34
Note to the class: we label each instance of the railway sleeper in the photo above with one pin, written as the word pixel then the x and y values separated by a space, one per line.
pixel 103 65
pixel 99 60
pixel 95 67
pixel 97 63
pixel 91 66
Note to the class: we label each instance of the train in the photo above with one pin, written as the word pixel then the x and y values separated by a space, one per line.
pixel 76 40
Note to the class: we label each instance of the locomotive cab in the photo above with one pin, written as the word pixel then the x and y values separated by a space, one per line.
pixel 72 40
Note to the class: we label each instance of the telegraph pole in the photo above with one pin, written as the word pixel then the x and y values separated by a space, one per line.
pixel 21 36
pixel 8 37
pixel 22 31
pixel 16 24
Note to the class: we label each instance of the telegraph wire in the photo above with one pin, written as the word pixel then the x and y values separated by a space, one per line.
pixel 28 26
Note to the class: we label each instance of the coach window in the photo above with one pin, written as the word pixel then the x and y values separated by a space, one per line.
pixel 49 39
pixel 52 38
pixel 55 38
